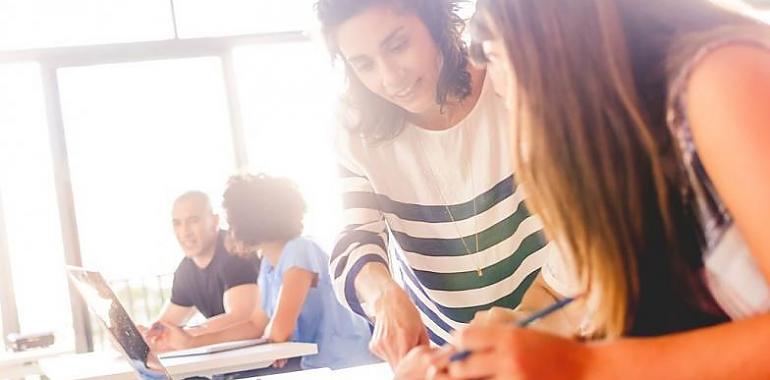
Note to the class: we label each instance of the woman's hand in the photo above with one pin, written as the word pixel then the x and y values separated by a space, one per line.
pixel 502 351
pixel 415 365
pixel 397 327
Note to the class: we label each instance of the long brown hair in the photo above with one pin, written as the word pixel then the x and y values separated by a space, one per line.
pixel 593 150
pixel 371 116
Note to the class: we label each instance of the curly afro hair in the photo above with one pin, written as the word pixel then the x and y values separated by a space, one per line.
pixel 262 209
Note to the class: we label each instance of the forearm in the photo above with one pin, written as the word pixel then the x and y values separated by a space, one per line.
pixel 241 331
pixel 175 314
pixel 280 331
pixel 372 283
pixel 736 350
pixel 219 323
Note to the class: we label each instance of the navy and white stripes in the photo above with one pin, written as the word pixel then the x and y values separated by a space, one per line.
pixel 418 196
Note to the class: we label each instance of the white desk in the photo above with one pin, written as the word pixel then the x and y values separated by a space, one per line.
pixel 107 365
pixel 20 364
pixel 379 371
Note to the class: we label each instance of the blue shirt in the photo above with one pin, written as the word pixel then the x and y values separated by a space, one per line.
pixel 342 337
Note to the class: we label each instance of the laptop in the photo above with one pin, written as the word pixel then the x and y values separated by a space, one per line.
pixel 103 303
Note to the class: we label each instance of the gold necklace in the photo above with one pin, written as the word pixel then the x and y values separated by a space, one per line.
pixel 479 270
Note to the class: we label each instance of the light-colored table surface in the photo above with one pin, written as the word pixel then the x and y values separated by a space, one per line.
pixel 380 371
pixel 112 366
pixel 20 364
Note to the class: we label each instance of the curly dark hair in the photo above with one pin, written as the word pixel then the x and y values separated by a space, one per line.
pixel 371 116
pixel 262 209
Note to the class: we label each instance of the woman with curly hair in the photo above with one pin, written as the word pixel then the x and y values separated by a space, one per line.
pixel 436 228
pixel 297 302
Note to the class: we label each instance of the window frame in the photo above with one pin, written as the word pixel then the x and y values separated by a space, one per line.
pixel 50 61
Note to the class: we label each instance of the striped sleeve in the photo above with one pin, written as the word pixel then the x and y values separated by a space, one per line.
pixel 363 240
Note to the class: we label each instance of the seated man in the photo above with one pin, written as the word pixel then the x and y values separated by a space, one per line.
pixel 298 303
pixel 223 287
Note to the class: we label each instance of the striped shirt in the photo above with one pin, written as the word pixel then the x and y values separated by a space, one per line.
pixel 436 207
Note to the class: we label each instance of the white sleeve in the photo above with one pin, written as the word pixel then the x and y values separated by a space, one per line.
pixel 558 273
pixel 364 238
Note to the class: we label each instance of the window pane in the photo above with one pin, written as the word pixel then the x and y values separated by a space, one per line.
pixel 138 135
pixel 289 94
pixel 26 24
pixel 29 205
pixel 203 18
pixel 2 341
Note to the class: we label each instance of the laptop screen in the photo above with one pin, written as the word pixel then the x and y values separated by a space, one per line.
pixel 101 300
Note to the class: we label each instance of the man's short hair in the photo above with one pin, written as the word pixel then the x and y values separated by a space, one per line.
pixel 196 196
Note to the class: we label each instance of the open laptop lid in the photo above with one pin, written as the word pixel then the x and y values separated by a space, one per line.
pixel 101 300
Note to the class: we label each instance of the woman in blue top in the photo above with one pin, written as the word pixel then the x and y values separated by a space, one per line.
pixel 298 304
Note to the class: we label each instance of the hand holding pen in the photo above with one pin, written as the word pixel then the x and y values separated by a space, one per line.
pixel 524 322
pixel 506 350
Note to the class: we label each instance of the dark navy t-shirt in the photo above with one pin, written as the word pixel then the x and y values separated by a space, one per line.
pixel 205 288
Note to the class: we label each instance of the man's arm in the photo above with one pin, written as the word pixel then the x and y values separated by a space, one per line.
pixel 175 338
pixel 180 307
pixel 172 314
pixel 176 314
pixel 239 302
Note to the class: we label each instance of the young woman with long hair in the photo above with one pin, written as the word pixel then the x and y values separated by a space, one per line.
pixel 642 138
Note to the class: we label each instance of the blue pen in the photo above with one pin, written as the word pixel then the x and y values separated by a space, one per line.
pixel 459 356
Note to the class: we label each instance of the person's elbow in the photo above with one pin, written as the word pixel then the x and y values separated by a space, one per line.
pixel 253 330
pixel 259 320
pixel 240 315
pixel 281 332
pixel 241 302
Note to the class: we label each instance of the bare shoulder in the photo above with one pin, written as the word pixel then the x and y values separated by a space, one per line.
pixel 728 110
pixel 730 74
pixel 729 92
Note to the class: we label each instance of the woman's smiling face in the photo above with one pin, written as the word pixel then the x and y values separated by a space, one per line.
pixel 393 54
